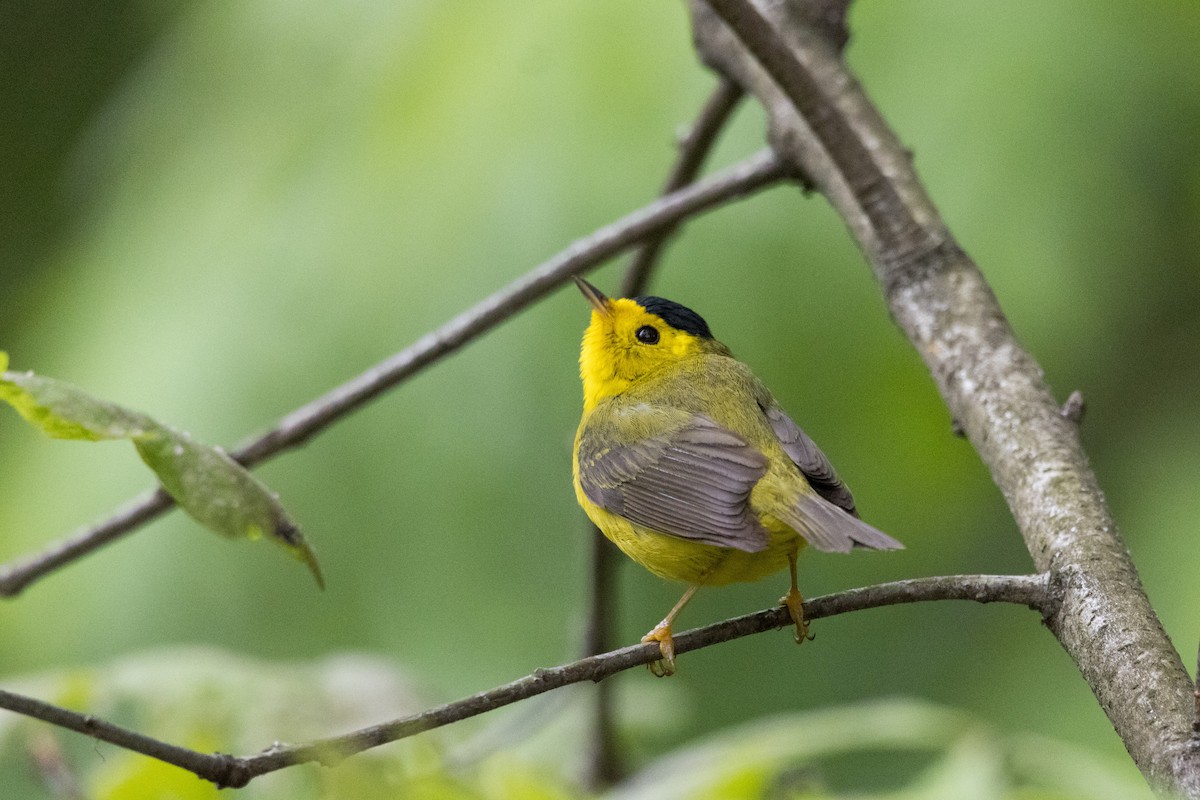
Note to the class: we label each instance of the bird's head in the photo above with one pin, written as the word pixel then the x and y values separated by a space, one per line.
pixel 629 338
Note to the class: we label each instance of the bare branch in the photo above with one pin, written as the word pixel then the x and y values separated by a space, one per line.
pixel 744 178
pixel 230 771
pixel 201 764
pixel 694 148
pixel 15 576
pixel 602 766
pixel 823 122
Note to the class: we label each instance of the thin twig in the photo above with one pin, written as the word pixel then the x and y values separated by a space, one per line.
pixel 201 764
pixel 602 760
pixel 230 771
pixel 602 765
pixel 694 147
pixel 746 177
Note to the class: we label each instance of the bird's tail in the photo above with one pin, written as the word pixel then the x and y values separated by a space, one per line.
pixel 830 528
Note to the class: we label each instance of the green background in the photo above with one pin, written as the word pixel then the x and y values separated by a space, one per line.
pixel 214 212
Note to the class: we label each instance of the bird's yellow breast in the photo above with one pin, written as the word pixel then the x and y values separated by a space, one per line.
pixel 690 562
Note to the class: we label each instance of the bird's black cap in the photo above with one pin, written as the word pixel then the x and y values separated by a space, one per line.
pixel 679 317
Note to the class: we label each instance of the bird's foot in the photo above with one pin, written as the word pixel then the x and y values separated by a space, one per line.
pixel 662 634
pixel 793 601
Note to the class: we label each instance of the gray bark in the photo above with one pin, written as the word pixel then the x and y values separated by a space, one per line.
pixel 994 388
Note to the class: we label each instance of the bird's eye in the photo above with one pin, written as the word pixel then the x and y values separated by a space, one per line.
pixel 647 334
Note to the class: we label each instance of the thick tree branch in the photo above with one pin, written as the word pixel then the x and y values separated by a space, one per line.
pixel 824 124
pixel 296 428
pixel 224 770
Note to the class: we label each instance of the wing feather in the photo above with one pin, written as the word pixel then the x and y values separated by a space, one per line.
pixel 808 457
pixel 692 480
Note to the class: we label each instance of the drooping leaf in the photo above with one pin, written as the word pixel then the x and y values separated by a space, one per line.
pixel 210 486
pixel 220 493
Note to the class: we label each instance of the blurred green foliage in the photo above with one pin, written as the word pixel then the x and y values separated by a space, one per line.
pixel 213 212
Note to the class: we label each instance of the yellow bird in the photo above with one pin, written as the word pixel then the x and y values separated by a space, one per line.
pixel 688 464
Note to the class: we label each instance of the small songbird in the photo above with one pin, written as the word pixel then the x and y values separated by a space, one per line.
pixel 688 464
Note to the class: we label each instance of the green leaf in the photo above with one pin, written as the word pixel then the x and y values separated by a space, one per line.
pixel 220 493
pixel 64 412
pixel 210 486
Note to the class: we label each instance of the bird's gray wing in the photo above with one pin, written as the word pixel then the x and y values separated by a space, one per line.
pixel 828 520
pixel 689 478
pixel 808 457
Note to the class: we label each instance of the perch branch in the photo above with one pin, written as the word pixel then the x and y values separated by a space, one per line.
pixel 823 123
pixel 224 770
pixel 743 178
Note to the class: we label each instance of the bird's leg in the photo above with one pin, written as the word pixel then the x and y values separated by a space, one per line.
pixel 662 635
pixel 794 602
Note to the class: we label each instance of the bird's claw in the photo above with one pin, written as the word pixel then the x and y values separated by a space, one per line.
pixel 665 666
pixel 793 601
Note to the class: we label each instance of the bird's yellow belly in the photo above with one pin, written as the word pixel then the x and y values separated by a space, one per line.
pixel 691 562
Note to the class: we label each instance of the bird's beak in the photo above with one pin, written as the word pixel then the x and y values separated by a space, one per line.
pixel 594 296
